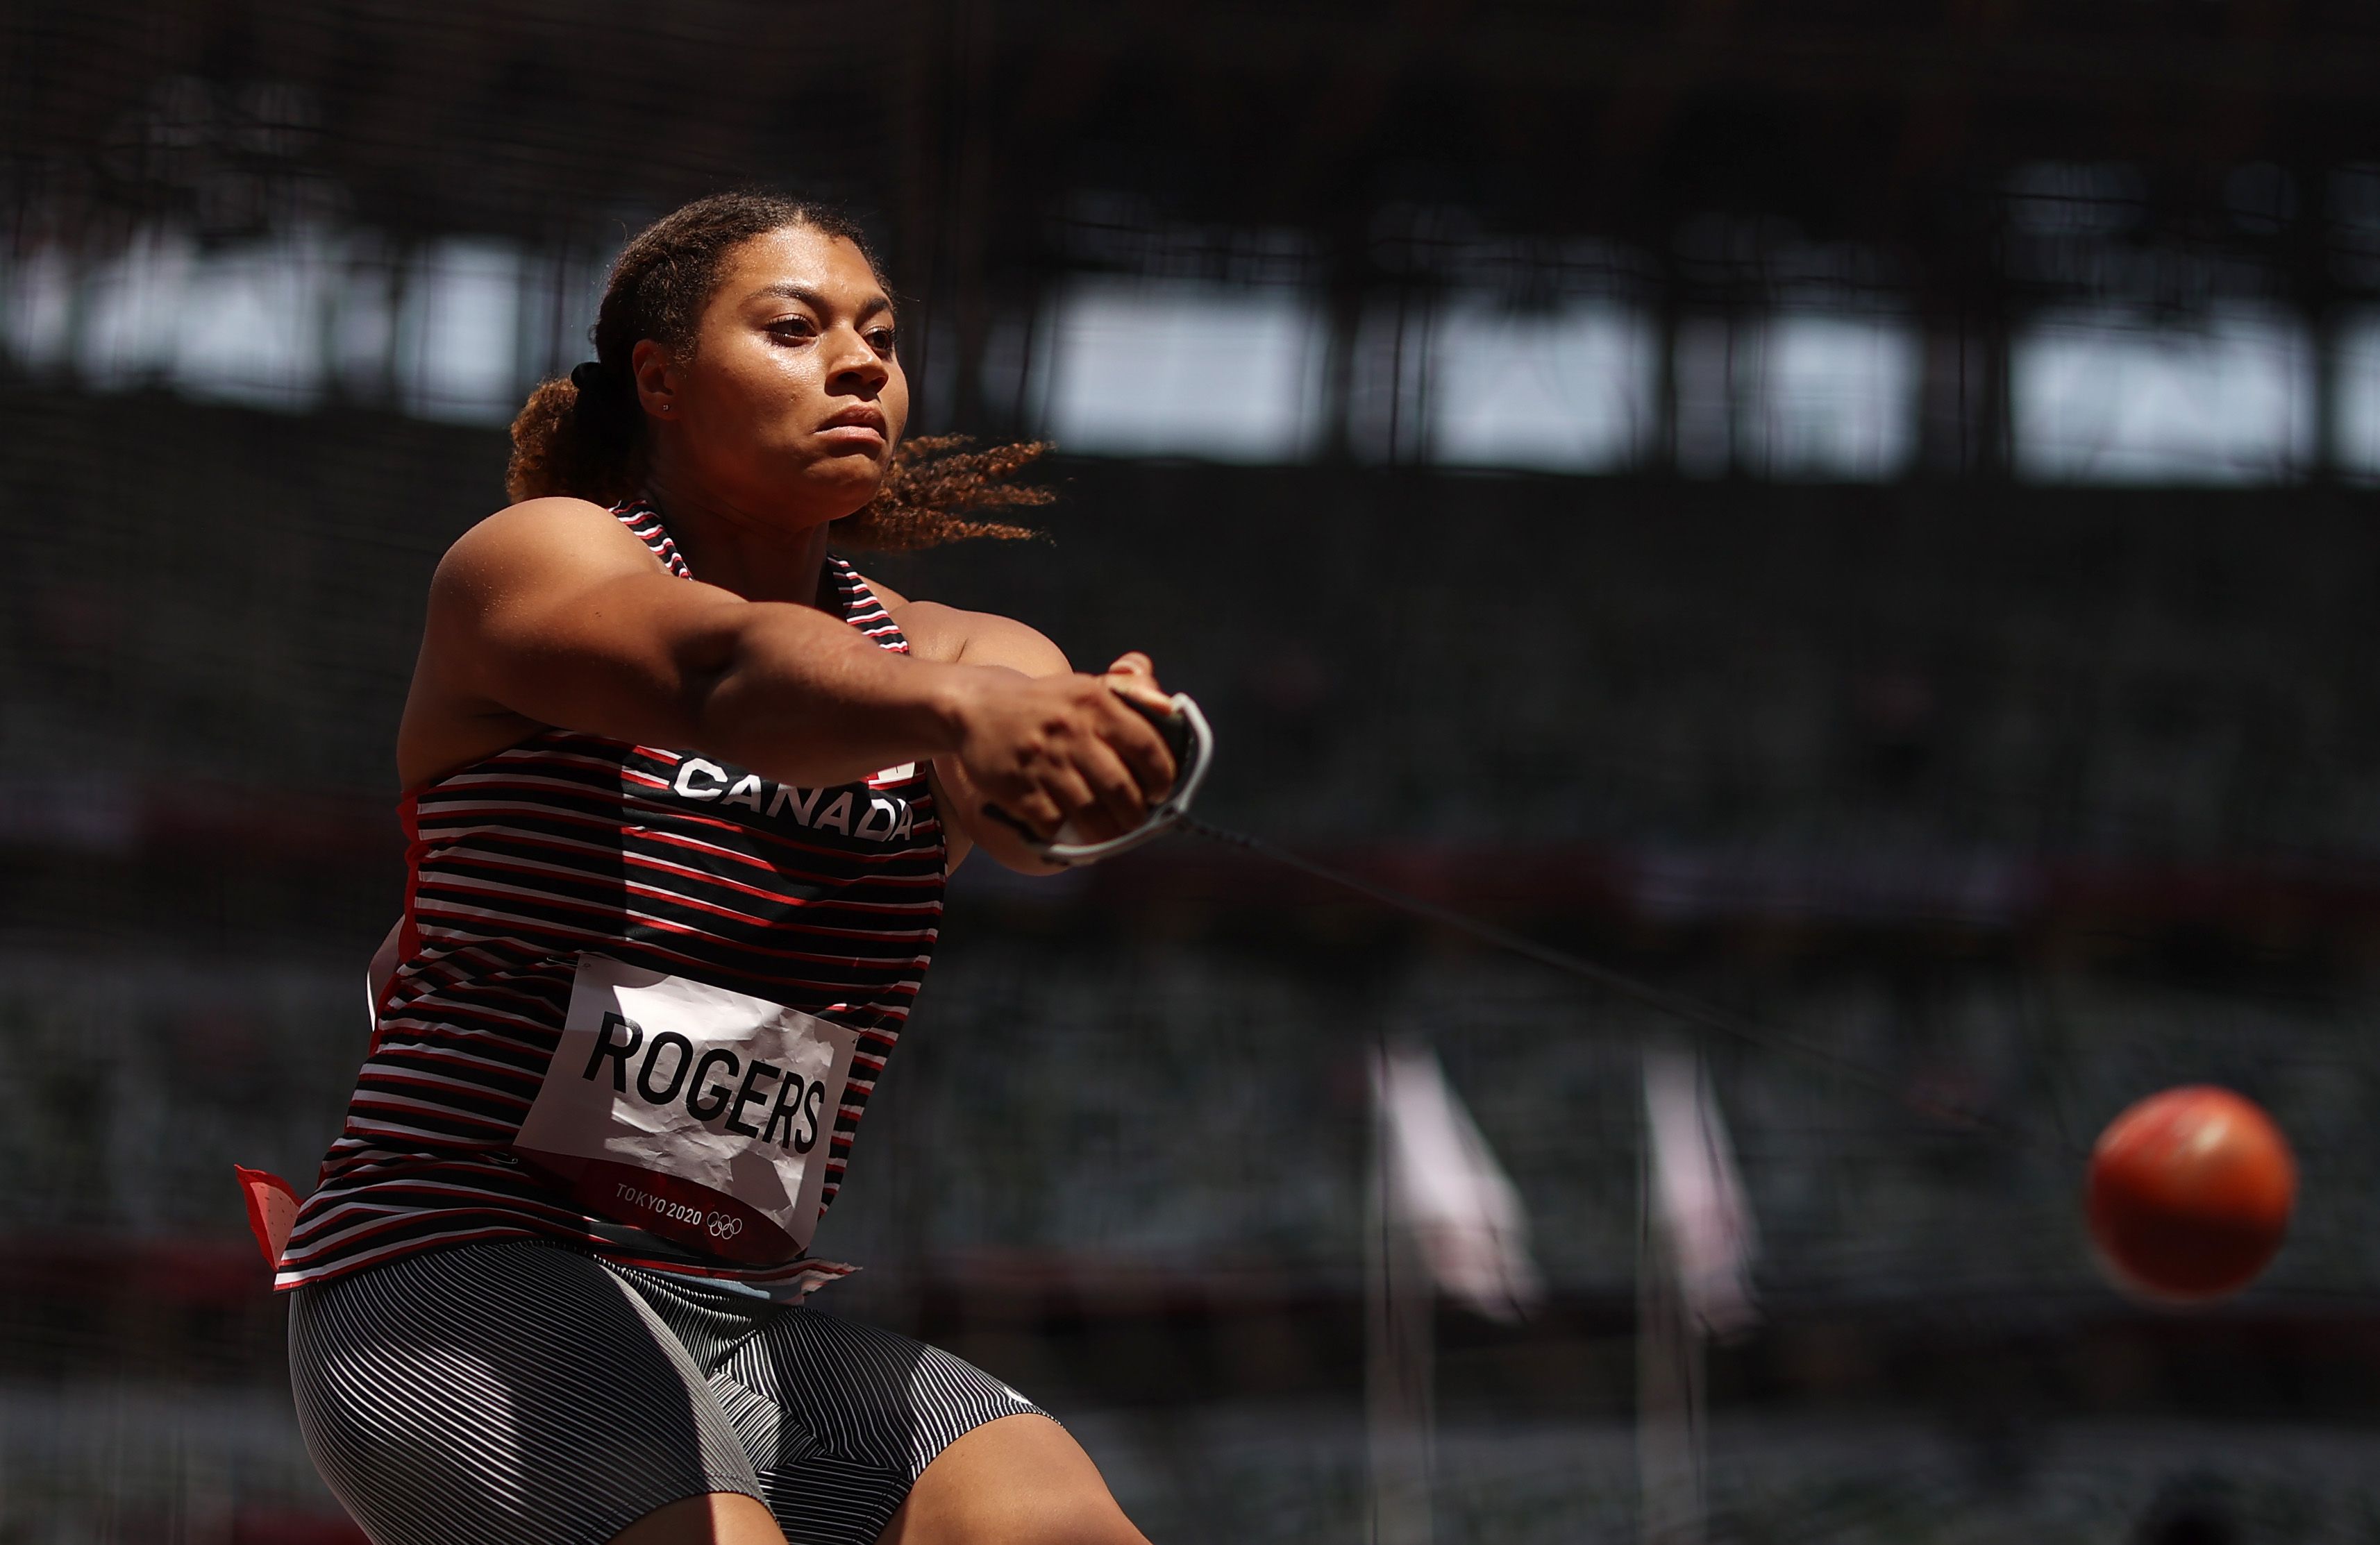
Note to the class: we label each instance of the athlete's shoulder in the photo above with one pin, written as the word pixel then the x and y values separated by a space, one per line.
pixel 558 516
pixel 557 532
pixel 988 638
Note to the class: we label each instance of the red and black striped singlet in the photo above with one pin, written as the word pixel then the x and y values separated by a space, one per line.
pixel 825 899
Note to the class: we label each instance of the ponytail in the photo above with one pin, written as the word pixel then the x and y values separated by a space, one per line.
pixel 580 435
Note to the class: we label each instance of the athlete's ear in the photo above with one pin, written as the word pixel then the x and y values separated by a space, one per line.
pixel 655 374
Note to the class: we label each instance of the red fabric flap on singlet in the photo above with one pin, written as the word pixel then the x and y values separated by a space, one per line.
pixel 272 1208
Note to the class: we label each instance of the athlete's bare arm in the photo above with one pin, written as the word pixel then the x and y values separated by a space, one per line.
pixel 552 612
pixel 947 634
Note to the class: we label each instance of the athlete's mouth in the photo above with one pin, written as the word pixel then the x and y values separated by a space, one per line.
pixel 862 423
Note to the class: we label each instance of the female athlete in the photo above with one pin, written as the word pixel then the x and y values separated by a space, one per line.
pixel 683 791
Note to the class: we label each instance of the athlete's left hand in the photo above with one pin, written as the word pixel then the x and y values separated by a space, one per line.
pixel 946 633
pixel 1099 808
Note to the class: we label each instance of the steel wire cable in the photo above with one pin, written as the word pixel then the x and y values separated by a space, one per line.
pixel 1662 1000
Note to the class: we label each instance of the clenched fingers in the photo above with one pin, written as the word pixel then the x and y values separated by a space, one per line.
pixel 1120 800
pixel 1134 678
pixel 1143 750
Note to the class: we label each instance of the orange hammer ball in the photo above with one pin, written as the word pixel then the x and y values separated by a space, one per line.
pixel 2190 1193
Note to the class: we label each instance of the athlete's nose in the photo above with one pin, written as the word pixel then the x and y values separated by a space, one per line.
pixel 854 368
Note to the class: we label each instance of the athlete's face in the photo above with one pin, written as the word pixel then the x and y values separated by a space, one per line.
pixel 792 399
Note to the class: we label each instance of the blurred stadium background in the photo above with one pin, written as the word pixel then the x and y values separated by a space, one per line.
pixel 1862 511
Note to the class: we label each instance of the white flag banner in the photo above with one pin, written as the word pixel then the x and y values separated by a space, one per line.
pixel 1696 1195
pixel 1444 1186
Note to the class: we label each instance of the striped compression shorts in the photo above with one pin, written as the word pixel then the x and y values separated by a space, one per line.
pixel 524 1394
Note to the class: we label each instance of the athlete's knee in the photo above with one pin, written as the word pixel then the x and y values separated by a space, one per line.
pixel 1084 1518
pixel 1040 1517
pixel 1021 1481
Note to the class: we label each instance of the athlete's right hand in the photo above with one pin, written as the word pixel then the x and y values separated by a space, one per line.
pixel 1045 751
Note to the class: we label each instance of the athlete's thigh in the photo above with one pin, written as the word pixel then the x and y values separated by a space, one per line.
pixel 841 1418
pixel 1020 1480
pixel 721 1518
pixel 502 1395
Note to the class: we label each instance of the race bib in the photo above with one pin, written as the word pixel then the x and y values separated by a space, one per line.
pixel 691 1112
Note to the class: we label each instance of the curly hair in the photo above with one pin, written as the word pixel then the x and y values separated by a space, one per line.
pixel 584 434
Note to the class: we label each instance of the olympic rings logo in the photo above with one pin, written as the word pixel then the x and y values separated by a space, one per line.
pixel 724 1227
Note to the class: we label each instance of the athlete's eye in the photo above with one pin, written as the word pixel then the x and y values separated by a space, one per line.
pixel 793 328
pixel 882 340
